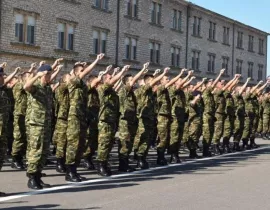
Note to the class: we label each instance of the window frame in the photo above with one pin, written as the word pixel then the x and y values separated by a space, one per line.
pixel 66 42
pixel 101 43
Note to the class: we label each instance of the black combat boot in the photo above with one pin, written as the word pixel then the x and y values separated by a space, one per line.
pixel 253 145
pixel 17 163
pixel 264 136
pixel 245 145
pixel 2 194
pixel 49 162
pixel 135 157
pixel 88 163
pixel 142 163
pixel 33 182
pixel 124 164
pixel 216 149
pixel 161 160
pixel 103 169
pixel 226 145
pixel 236 147
pixel 60 165
pixel 44 185
pixel 71 174
pixel 206 151
pixel 175 158
pixel 193 154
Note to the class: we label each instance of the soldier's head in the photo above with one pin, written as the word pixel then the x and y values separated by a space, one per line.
pixel 24 76
pixel 65 78
pixel 45 79
pixel 148 78
pixel 12 82
pixel 78 68
pixel 106 78
pixel 165 80
pixel 220 84
pixel 90 79
pixel 141 82
pixel 127 79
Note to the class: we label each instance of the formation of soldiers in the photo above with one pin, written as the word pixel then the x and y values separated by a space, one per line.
pixel 81 114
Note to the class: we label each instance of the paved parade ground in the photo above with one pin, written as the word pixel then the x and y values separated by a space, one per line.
pixel 231 181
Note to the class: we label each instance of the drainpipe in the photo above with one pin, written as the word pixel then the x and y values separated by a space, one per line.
pixel 117 33
pixel 187 34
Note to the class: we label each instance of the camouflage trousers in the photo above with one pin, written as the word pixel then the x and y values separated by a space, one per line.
pixel 228 126
pixel 39 144
pixel 20 142
pixel 194 125
pixel 176 135
pixel 248 127
pixel 105 140
pixel 60 137
pixel 127 132
pixel 76 135
pixel 91 144
pixel 239 125
pixel 256 124
pixel 208 128
pixel 260 125
pixel 219 125
pixel 10 137
pixel 265 123
pixel 144 136
pixel 3 138
pixel 163 127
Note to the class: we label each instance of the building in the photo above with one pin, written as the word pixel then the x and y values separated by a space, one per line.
pixel 173 33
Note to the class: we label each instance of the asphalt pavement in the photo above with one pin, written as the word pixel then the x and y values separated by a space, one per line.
pixel 231 181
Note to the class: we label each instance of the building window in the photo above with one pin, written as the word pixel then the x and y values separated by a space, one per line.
pixel 240 40
pixel 154 52
pixel 211 62
pixel 197 26
pixel 250 43
pixel 212 31
pixel 226 35
pixel 65 36
pixel 239 64
pixel 156 13
pixel 175 56
pixel 102 4
pixel 260 72
pixel 177 20
pixel 132 8
pixel 250 70
pixel 225 65
pixel 195 65
pixel 100 41
pixel 25 28
pixel 261 46
pixel 131 48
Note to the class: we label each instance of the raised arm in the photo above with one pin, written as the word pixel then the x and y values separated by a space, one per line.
pixel 262 87
pixel 115 71
pixel 217 79
pixel 234 83
pixel 242 89
pixel 157 72
pixel 56 72
pixel 89 68
pixel 10 77
pixel 119 75
pixel 158 78
pixel 183 81
pixel 55 86
pixel 230 82
pixel 256 87
pixel 172 81
pixel 56 63
pixel 199 84
pixel 29 83
pixel 195 100
pixel 139 74
pixel 188 82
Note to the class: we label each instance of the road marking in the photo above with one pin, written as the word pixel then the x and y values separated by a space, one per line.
pixel 22 195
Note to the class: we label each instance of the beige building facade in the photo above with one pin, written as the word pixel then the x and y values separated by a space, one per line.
pixel 172 33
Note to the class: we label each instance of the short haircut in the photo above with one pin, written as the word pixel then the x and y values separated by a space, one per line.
pixel 75 67
pixel 147 77
pixel 91 78
pixel 125 78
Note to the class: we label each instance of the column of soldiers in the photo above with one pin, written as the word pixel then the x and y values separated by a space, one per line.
pixel 83 112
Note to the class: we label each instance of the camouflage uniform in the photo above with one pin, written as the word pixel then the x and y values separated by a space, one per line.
pixel 230 118
pixel 77 122
pixel 257 116
pixel 147 116
pixel 10 121
pixel 179 117
pixel 188 97
pixel 93 107
pixel 4 108
pixel 128 120
pixel 208 116
pixel 240 117
pixel 266 115
pixel 20 141
pixel 261 110
pixel 249 120
pixel 164 118
pixel 60 131
pixel 220 102
pixel 39 126
pixel 108 119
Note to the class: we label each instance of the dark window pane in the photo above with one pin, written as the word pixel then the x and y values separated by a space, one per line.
pixel 96 48
pixel 134 53
pixel 103 46
pixel 135 10
pixel 127 51
pixel 98 3
pixel 172 59
pixel 178 60
pixel 70 41
pixel 61 40
pixel 129 8
pixel 152 55
pixel 157 56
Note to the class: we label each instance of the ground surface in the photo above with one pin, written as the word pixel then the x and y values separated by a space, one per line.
pixel 231 181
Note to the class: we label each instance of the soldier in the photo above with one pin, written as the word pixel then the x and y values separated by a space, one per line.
pixel 20 142
pixel 108 119
pixel 60 132
pixel 240 115
pixel 266 115
pixel 146 114
pixel 128 119
pixel 179 117
pixel 261 99
pixel 77 122
pixel 209 115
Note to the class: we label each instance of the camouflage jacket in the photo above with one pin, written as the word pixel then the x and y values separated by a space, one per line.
pixel 163 101
pixel 178 100
pixel 93 104
pixel 230 107
pixel 220 102
pixel 209 101
pixel 20 97
pixel 62 102
pixel 239 105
